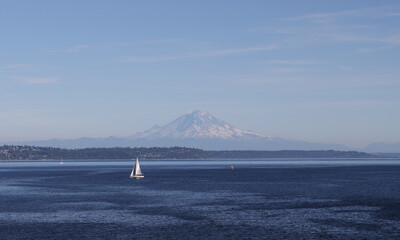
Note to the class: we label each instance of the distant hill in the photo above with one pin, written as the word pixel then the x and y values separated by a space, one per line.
pixel 382 148
pixel 289 154
pixel 387 155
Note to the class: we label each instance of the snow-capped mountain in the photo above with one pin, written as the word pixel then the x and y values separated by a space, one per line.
pixel 200 129
pixel 197 129
pixel 197 124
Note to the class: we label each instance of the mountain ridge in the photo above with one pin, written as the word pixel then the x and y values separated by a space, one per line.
pixel 199 129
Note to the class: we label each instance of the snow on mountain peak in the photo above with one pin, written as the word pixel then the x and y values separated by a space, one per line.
pixel 197 124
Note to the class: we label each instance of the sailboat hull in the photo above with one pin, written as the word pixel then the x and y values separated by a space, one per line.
pixel 137 177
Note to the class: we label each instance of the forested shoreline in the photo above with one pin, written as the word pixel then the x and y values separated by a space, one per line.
pixel 11 152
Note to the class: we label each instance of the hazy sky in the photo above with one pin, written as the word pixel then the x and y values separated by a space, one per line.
pixel 323 71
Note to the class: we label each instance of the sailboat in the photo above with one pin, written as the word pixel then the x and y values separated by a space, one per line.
pixel 136 172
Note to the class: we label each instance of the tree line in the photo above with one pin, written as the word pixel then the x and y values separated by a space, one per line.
pixel 11 152
pixel 50 153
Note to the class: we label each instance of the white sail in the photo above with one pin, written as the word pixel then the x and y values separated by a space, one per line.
pixel 136 172
pixel 132 173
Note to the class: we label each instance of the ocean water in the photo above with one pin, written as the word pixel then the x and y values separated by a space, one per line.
pixel 259 199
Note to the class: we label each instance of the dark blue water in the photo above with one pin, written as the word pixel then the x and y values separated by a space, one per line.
pixel 185 200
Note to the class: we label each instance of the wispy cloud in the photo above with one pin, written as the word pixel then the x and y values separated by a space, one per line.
pixel 393 15
pixel 346 68
pixel 15 114
pixel 336 27
pixel 352 37
pixel 286 70
pixel 83 47
pixel 22 117
pixel 211 53
pixel 74 49
pixel 155 59
pixel 238 50
pixel 387 11
pixel 166 41
pixel 7 96
pixel 13 66
pixel 34 80
pixel 367 50
pixel 293 62
pixel 22 67
pixel 306 34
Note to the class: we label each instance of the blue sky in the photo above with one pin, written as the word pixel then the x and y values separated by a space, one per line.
pixel 322 71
